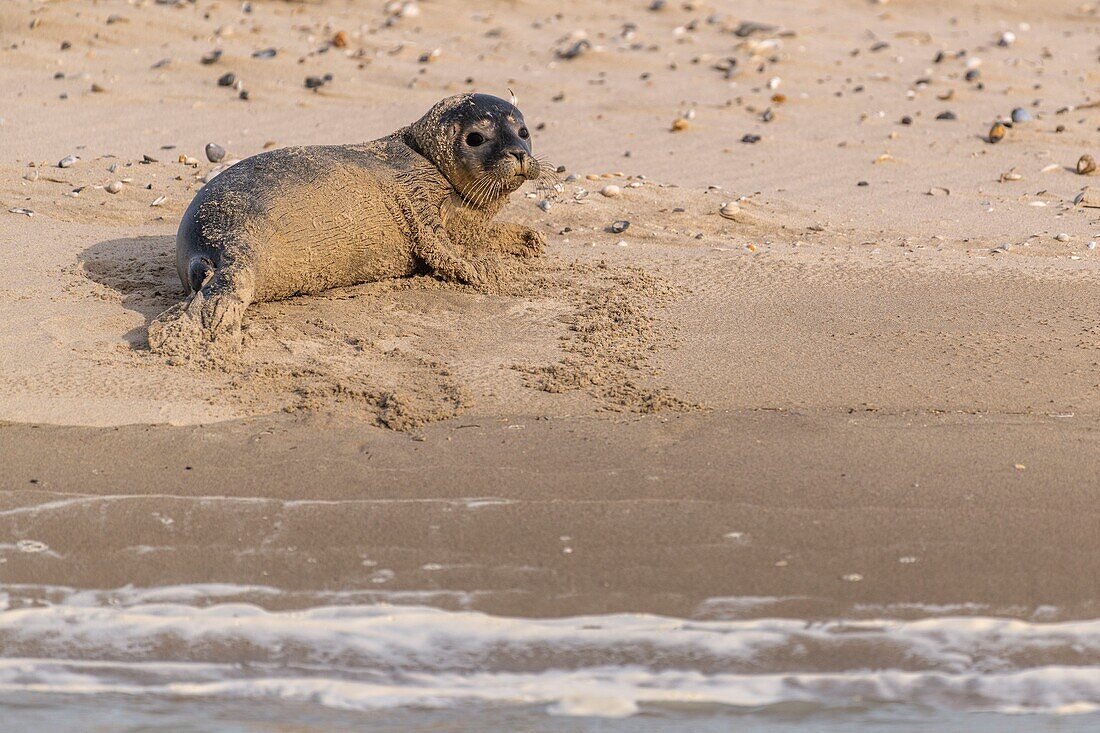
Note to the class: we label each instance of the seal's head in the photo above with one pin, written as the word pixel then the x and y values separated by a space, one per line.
pixel 480 143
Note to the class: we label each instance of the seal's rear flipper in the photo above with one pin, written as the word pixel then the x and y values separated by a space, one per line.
pixel 207 325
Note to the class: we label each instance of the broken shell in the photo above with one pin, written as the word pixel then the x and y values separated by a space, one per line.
pixel 113 187
pixel 1086 164
pixel 1011 175
pixel 997 132
pixel 67 161
pixel 620 226
pixel 340 40
pixel 679 124
pixel 729 210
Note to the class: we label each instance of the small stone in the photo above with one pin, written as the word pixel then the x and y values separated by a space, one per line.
pixel 1007 39
pixel 852 577
pixel 948 115
pixel 1086 164
pixel 938 191
pixel 243 94
pixel 98 88
pixel 545 205
pixel 1062 237
pixel 211 57
pixel 750 139
pixel 266 53
pixel 314 82
pixel 679 124
pixel 997 132
pixel 227 79
pixel 340 40
pixel 1091 245
pixel 113 187
pixel 620 226
pixel 1021 115
pixel 611 192
pixel 214 152
pixel 906 120
pixel 67 161
pixel 147 159
pixel 431 56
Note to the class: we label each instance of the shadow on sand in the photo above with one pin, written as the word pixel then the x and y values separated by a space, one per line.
pixel 140 269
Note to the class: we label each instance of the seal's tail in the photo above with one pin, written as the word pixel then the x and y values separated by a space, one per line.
pixel 199 270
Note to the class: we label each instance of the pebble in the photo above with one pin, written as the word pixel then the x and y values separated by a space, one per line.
pixel 620 226
pixel 1007 39
pixel 679 124
pixel 1086 164
pixel 1091 245
pixel 1062 237
pixel 67 161
pixel 314 82
pixel 948 115
pixel 750 139
pixel 1021 115
pixel 98 88
pixel 611 192
pixel 113 187
pixel 997 132
pixel 214 152
pixel 340 40
pixel 266 53
pixel 545 205
pixel 211 57
pixel 227 79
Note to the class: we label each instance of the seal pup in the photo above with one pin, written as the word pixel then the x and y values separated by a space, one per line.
pixel 305 219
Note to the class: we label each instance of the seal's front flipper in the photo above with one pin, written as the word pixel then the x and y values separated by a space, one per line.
pixel 436 250
pixel 516 239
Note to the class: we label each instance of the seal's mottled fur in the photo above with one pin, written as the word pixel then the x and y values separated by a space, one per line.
pixel 301 220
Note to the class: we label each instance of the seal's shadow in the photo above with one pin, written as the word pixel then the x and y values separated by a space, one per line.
pixel 142 270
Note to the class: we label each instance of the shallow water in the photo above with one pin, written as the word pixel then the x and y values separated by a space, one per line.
pixel 201 658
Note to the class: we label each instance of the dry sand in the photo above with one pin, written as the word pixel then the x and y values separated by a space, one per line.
pixel 837 377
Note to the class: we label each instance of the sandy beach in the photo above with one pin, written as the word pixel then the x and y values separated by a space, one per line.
pixel 839 365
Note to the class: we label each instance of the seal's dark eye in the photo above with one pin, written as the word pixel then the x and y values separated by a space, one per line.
pixel 523 133
pixel 474 139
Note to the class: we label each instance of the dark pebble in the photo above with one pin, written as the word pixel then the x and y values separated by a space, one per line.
pixel 620 226
pixel 211 57
pixel 244 94
pixel 148 159
pixel 314 82
pixel 227 79
pixel 863 183
pixel 906 120
pixel 750 139
pixel 972 74
pixel 949 115
pixel 267 53
pixel 214 152
pixel 65 45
